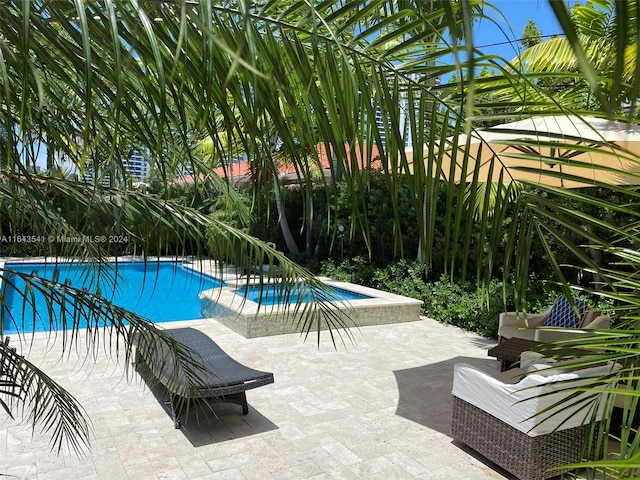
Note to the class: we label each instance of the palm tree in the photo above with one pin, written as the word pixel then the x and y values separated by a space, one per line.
pixel 261 163
pixel 160 74
pixel 607 43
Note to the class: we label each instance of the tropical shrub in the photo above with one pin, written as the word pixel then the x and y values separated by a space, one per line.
pixel 452 302
pixel 449 302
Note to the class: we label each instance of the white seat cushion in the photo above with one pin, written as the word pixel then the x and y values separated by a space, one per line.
pixel 521 404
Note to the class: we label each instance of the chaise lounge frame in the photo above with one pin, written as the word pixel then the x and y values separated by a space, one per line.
pixel 222 378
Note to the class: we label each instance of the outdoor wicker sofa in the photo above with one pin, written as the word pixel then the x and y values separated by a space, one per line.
pixel 516 324
pixel 510 423
pixel 228 382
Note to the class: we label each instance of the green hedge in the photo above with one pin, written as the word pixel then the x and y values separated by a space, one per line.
pixel 452 303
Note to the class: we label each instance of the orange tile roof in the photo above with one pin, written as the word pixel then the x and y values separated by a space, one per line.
pixel 241 170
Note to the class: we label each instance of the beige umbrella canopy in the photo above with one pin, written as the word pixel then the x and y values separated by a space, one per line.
pixel 563 151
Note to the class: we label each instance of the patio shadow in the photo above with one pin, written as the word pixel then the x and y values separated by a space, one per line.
pixel 209 422
pixel 425 398
pixel 425 391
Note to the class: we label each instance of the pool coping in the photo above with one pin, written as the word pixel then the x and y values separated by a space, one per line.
pixel 251 319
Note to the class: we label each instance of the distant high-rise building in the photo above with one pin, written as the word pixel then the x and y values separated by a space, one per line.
pixel 137 165
pixel 404 118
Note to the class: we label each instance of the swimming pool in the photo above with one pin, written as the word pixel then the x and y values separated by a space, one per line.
pixel 160 291
pixel 272 294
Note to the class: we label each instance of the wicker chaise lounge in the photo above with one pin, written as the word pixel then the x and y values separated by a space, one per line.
pixel 228 384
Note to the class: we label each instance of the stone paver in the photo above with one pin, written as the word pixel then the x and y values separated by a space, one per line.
pixel 379 408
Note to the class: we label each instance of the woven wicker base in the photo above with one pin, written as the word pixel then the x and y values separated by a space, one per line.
pixel 528 458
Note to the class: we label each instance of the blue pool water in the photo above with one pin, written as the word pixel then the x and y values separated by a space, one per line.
pixel 161 292
pixel 270 295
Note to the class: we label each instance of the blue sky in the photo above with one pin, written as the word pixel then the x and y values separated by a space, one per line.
pixel 516 13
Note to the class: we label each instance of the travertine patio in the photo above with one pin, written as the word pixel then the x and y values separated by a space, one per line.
pixel 379 408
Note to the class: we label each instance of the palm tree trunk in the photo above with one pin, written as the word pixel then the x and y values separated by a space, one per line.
pixel 51 157
pixel 307 224
pixel 282 220
pixel 598 257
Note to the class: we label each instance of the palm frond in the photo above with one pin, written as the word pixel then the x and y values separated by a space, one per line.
pixel 31 393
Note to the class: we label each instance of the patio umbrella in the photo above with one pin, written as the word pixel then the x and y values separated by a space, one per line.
pixel 563 151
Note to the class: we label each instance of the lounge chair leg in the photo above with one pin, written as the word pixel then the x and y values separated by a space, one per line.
pixel 239 398
pixel 172 410
pixel 137 363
